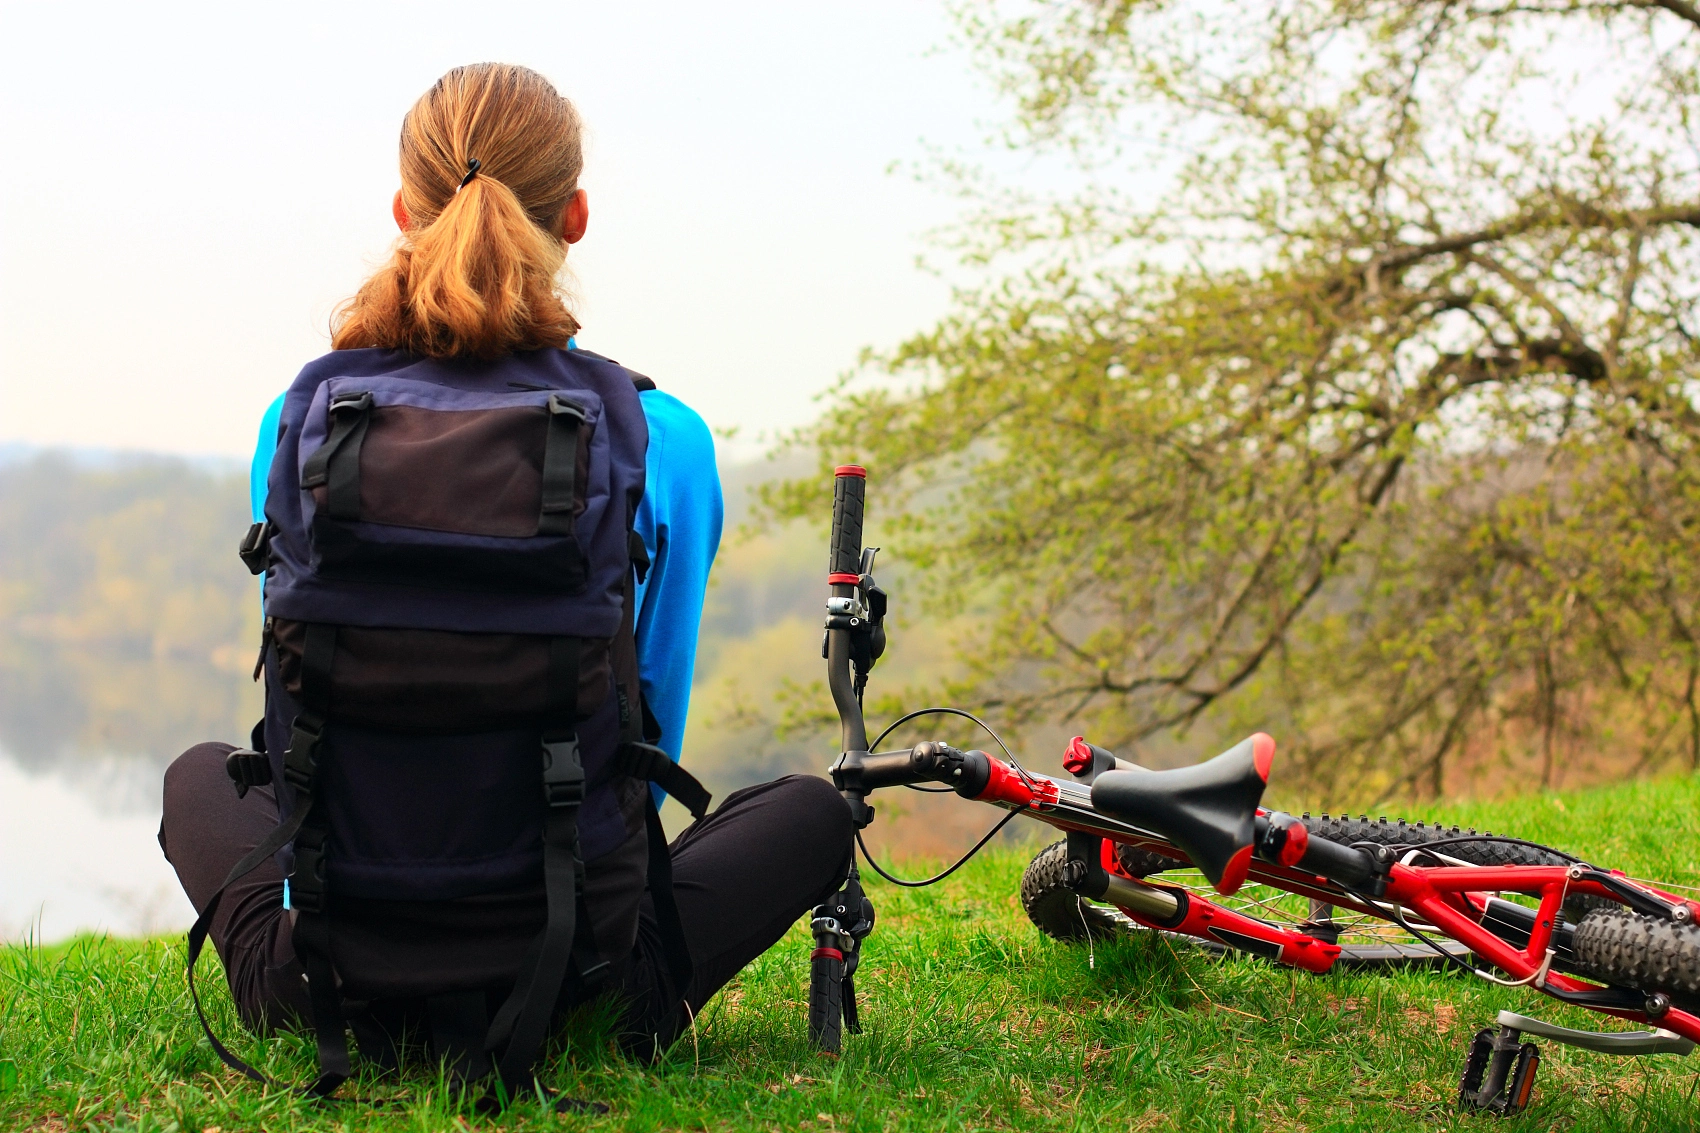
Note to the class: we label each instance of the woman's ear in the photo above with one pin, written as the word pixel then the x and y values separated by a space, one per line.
pixel 399 211
pixel 573 222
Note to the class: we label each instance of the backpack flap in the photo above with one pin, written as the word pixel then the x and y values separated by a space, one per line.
pixel 414 484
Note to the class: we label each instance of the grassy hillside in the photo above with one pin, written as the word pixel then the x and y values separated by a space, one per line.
pixel 973 1021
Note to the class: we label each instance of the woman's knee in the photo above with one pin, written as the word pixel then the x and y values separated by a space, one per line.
pixel 820 824
pixel 189 781
pixel 817 803
pixel 193 768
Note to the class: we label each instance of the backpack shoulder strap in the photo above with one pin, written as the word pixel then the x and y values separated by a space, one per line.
pixel 641 381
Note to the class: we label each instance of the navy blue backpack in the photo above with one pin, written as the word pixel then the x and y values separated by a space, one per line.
pixel 452 700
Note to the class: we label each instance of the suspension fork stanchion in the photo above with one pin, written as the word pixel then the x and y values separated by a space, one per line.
pixel 841 922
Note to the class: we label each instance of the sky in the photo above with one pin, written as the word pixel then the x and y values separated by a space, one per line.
pixel 188 191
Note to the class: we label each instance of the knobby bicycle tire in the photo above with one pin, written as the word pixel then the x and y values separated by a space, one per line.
pixel 1056 910
pixel 1617 946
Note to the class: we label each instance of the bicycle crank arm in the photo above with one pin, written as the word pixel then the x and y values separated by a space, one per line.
pixel 1658 1041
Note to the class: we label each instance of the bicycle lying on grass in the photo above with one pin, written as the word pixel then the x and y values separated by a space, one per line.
pixel 1310 892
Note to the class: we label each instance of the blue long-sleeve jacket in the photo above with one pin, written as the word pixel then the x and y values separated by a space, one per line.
pixel 679 520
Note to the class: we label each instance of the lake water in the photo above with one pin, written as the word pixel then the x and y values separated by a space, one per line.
pixel 79 853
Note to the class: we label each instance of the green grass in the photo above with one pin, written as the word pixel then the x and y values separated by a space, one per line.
pixel 973 1021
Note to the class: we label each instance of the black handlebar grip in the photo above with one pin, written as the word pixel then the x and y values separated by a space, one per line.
pixel 1344 865
pixel 849 493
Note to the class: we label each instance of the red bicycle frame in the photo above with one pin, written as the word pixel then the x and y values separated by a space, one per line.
pixel 1452 899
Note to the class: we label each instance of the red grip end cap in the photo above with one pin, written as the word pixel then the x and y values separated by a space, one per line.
pixel 1262 754
pixel 1078 757
pixel 1297 842
pixel 855 470
pixel 1234 876
pixel 843 579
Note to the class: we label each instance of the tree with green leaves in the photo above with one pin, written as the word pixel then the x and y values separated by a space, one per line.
pixel 1349 392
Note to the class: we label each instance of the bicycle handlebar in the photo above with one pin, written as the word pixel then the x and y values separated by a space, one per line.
pixel 844 565
pixel 966 772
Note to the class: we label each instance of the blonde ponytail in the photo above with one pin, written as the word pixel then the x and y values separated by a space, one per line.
pixel 475 274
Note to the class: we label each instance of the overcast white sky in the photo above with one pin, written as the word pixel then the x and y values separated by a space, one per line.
pixel 186 192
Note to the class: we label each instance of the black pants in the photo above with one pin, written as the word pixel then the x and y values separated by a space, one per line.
pixel 742 876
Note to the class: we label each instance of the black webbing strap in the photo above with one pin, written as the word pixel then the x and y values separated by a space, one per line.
pixel 273 842
pixel 300 764
pixel 519 1027
pixel 648 762
pixel 562 704
pixel 560 467
pixel 667 918
pixel 307 881
pixel 517 1032
pixel 638 553
pixel 312 938
pixel 336 463
pixel 561 695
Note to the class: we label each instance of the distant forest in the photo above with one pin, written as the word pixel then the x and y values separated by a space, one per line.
pixel 127 624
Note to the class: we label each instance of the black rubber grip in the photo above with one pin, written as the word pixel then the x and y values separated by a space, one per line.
pixel 1345 865
pixel 849 491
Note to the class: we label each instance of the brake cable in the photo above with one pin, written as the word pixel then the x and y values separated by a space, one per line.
pixel 989 835
pixel 1026 777
pixel 960 862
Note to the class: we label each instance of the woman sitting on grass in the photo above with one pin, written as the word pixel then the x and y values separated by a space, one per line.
pixel 421 886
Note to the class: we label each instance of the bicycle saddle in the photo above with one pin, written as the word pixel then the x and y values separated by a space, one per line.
pixel 1206 810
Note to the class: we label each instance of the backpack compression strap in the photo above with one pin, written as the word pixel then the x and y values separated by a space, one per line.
pixel 517 1032
pixel 312 937
pixel 300 767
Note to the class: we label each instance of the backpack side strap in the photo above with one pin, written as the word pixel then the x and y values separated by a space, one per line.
pixel 306 827
pixel 648 762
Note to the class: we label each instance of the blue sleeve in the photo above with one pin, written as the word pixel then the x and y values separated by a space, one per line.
pixel 262 466
pixel 679 520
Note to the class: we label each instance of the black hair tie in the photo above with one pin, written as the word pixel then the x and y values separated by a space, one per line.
pixel 472 168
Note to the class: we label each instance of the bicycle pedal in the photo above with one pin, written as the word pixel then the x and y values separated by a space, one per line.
pixel 1499 1073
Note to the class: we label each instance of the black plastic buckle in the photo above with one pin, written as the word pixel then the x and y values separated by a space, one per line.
pixel 247 768
pixel 359 402
pixel 256 548
pixel 302 758
pixel 561 407
pixel 563 773
pixel 307 878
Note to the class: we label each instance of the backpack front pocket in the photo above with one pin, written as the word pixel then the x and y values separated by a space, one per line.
pixel 475 491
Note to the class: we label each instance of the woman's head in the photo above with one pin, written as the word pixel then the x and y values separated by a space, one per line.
pixel 474 273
